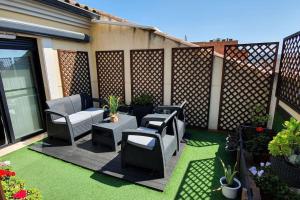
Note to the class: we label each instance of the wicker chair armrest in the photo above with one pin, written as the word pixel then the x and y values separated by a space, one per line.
pixel 147 119
pixel 170 108
pixel 50 112
pixel 53 112
pixel 166 109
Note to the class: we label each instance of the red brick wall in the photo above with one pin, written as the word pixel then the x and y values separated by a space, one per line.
pixel 218 45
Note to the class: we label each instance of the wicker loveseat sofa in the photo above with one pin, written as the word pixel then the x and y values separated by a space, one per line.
pixel 72 116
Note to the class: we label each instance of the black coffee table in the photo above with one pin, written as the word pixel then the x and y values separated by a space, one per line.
pixel 110 134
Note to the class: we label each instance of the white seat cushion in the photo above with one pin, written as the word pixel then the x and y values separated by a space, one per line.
pixel 94 111
pixel 142 141
pixel 74 118
pixel 155 123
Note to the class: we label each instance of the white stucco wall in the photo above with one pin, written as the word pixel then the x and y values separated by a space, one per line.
pixel 215 93
pixel 112 37
pixel 50 64
pixel 34 12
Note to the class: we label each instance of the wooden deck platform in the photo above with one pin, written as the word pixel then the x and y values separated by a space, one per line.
pixel 103 160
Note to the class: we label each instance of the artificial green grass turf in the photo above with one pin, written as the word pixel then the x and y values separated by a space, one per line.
pixel 196 175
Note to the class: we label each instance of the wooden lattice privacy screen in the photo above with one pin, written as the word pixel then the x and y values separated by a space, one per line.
pixel 147 73
pixel 288 89
pixel 191 81
pixel 110 71
pixel 248 73
pixel 75 72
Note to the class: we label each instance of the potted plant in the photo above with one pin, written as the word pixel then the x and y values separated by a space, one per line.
pixel 141 106
pixel 258 148
pixel 285 151
pixel 229 184
pixel 271 187
pixel 113 104
pixel 232 142
pixel 259 117
pixel 12 187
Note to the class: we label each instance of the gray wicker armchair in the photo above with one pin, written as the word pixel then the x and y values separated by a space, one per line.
pixel 150 146
pixel 72 116
pixel 164 111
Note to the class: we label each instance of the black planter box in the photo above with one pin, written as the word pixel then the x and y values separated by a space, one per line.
pixel 246 160
pixel 252 191
pixel 286 171
pixel 127 109
pixel 139 111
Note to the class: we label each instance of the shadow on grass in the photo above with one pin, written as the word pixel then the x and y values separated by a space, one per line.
pixel 204 138
pixel 201 180
pixel 109 180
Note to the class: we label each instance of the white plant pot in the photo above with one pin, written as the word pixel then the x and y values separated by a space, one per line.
pixel 229 192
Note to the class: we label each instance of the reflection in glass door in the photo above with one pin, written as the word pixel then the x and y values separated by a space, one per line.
pixel 17 74
pixel 3 134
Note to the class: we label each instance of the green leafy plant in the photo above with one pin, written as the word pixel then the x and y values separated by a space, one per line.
pixel 229 173
pixel 13 187
pixel 113 104
pixel 259 144
pixel 273 188
pixel 143 99
pixel 287 142
pixel 259 116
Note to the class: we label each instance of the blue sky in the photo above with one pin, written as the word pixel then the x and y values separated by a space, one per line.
pixel 202 20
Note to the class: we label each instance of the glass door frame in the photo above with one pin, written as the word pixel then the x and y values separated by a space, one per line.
pixel 23 43
pixel 6 122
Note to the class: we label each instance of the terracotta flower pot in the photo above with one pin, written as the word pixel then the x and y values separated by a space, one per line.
pixel 114 118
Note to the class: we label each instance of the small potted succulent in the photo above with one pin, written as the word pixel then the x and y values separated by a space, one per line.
pixel 141 106
pixel 229 184
pixel 113 104
pixel 285 151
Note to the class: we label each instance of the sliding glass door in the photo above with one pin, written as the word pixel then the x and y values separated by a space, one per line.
pixel 20 91
pixel 3 133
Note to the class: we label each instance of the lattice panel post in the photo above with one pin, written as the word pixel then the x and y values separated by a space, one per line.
pixel 248 73
pixel 191 81
pixel 147 73
pixel 110 71
pixel 288 88
pixel 75 72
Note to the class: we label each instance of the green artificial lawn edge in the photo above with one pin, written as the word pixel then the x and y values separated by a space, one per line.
pixel 196 175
